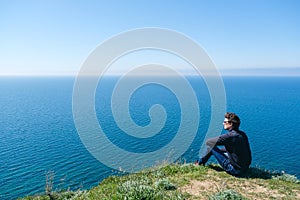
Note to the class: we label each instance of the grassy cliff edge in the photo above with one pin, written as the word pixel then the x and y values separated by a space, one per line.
pixel 186 181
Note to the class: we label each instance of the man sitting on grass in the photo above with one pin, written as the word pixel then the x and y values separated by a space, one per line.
pixel 235 158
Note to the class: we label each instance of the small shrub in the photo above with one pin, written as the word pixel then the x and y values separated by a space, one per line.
pixel 165 184
pixel 287 178
pixel 135 190
pixel 228 195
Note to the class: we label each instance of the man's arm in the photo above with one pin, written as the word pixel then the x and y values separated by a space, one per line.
pixel 220 140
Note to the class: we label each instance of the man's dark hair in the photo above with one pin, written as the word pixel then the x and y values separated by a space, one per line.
pixel 234 119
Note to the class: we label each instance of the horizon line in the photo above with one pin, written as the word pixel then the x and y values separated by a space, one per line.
pixel 278 71
pixel 141 75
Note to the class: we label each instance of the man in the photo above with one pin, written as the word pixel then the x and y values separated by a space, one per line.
pixel 235 158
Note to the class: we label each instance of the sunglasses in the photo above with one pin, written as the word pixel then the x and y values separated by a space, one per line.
pixel 226 122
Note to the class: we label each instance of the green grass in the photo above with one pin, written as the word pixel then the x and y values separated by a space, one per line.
pixel 187 181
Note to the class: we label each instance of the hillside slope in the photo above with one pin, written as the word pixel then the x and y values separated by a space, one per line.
pixel 187 181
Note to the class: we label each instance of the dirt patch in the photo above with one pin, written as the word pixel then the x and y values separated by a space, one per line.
pixel 252 190
pixel 203 189
pixel 200 188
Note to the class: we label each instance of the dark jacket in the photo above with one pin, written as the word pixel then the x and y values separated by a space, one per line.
pixel 236 145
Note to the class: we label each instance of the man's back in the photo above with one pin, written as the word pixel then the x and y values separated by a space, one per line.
pixel 238 148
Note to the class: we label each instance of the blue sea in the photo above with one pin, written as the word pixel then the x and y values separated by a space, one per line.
pixel 38 134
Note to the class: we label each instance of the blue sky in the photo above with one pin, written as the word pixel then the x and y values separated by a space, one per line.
pixel 55 37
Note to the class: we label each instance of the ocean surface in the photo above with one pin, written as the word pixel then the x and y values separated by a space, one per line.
pixel 38 135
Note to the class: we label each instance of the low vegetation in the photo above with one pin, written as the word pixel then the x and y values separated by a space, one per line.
pixel 177 181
